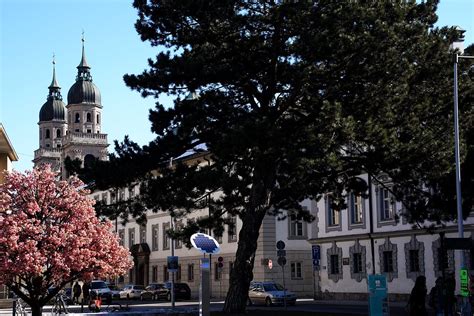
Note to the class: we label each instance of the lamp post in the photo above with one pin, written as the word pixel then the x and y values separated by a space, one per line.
pixel 457 57
pixel 466 309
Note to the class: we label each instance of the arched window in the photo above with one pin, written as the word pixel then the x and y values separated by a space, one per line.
pixel 58 133
pixel 78 118
pixel 88 117
pixel 41 134
pixel 48 133
pixel 98 119
pixel 58 145
pixel 89 161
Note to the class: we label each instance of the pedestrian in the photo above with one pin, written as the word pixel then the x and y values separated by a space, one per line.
pixel 76 290
pixel 437 298
pixel 416 303
pixel 85 292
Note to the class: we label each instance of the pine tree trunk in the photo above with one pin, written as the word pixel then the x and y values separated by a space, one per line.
pixel 242 272
pixel 36 310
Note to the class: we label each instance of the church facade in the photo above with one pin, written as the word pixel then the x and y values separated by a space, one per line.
pixel 74 130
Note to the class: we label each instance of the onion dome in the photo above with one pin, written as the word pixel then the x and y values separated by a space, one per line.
pixel 54 109
pixel 83 90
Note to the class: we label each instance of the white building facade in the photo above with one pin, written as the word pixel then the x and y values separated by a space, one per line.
pixel 352 247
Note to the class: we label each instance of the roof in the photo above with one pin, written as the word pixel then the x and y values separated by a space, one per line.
pixel 6 146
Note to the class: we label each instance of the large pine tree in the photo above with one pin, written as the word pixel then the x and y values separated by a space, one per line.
pixel 291 99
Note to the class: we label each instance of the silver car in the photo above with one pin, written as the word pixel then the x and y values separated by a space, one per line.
pixel 132 291
pixel 270 293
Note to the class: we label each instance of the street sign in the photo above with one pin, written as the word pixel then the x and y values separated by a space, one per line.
pixel 205 243
pixel 281 253
pixel 464 275
pixel 316 253
pixel 172 263
pixel 281 261
pixel 280 245
pixel 270 264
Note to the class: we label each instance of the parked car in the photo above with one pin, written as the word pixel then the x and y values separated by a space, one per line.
pixel 158 291
pixel 115 291
pixel 269 293
pixel 132 291
pixel 101 288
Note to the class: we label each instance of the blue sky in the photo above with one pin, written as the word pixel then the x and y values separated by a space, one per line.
pixel 32 30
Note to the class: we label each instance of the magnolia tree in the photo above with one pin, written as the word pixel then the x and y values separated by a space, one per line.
pixel 50 236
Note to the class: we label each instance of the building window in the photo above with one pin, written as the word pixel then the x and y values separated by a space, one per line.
pixel 121 195
pixel 166 238
pixel 58 145
pixel 155 238
pixel 131 237
pixel 77 130
pixel 166 275
pixel 143 234
pixel 387 261
pixel 217 272
pixel 296 227
pixel 48 134
pixel 154 274
pixel 334 268
pixel 78 118
pixel 98 119
pixel 232 230
pixel 191 272
pixel 296 270
pixel 121 235
pixel 333 214
pixel 356 203
pixel 41 134
pixel 178 244
pixel 178 273
pixel 88 117
pixel 58 133
pixel 386 204
pixel 89 131
pixel 104 198
pixel 357 262
pixel 414 261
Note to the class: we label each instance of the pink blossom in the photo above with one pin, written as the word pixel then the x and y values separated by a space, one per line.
pixel 50 235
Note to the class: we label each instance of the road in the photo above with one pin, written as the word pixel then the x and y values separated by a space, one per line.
pixel 308 305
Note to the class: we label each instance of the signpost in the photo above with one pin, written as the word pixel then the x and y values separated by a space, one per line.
pixel 464 275
pixel 378 298
pixel 207 245
pixel 316 254
pixel 281 253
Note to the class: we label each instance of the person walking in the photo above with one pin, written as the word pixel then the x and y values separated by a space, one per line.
pixel 76 290
pixel 417 299
pixel 85 292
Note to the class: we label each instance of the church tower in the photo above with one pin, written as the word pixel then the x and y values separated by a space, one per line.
pixel 84 139
pixel 52 127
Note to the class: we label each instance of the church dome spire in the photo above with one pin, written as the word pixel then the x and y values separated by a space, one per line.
pixel 83 90
pixel 54 108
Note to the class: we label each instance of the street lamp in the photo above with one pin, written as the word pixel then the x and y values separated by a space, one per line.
pixel 457 56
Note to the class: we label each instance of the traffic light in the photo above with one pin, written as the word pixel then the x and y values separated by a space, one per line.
pixel 220 263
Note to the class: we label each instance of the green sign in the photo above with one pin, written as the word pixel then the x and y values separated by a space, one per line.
pixel 464 282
